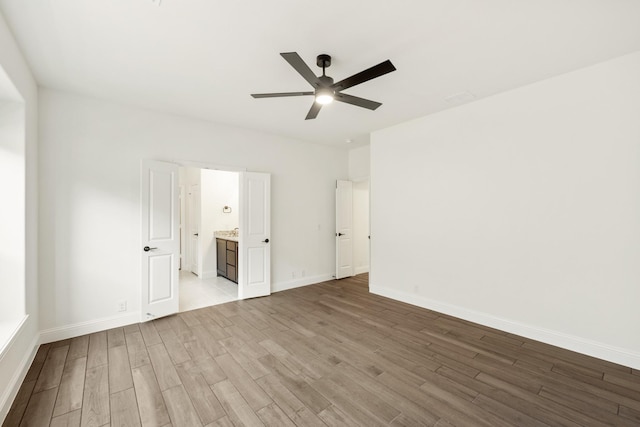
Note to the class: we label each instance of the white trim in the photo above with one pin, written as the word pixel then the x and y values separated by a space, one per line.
pixel 88 327
pixel 303 281
pixel 361 269
pixel 600 350
pixel 11 390
pixel 12 337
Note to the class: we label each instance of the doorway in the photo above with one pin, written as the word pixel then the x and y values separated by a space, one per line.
pixel 210 211
pixel 162 237
pixel 352 228
pixel 361 231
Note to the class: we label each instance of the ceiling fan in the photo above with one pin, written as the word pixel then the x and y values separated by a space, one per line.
pixel 325 89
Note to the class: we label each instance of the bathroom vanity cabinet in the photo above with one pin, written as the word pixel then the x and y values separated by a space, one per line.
pixel 227 255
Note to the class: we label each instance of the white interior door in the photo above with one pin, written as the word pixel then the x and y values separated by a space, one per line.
pixel 160 242
pixel 194 228
pixel 344 229
pixel 254 275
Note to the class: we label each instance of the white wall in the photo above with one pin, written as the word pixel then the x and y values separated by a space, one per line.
pixel 90 228
pixel 12 218
pixel 17 355
pixel 359 161
pixel 219 189
pixel 190 181
pixel 520 211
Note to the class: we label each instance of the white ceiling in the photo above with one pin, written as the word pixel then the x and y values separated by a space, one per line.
pixel 202 58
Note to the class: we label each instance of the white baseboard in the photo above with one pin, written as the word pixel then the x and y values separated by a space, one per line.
pixel 361 269
pixel 303 281
pixel 11 389
pixel 570 342
pixel 89 327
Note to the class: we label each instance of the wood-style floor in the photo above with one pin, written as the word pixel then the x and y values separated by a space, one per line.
pixel 328 354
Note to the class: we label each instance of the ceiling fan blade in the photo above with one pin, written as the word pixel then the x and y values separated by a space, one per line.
pixel 277 95
pixel 366 75
pixel 354 100
pixel 303 69
pixel 313 112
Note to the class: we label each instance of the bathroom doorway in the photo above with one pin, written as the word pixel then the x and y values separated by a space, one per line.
pixel 164 236
pixel 209 209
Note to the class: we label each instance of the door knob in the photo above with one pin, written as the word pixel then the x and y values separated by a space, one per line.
pixel 196 234
pixel 340 234
pixel 147 248
pixel 265 241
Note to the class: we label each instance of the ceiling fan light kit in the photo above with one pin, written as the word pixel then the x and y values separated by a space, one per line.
pixel 325 90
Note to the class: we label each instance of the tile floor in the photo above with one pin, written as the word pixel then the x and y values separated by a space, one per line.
pixel 198 293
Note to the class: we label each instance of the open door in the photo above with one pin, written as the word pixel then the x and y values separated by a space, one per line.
pixel 344 229
pixel 160 242
pixel 254 275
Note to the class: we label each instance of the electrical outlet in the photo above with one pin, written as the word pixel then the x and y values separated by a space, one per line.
pixel 122 305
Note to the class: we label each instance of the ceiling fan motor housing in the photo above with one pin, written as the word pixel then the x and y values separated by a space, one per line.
pixel 323 60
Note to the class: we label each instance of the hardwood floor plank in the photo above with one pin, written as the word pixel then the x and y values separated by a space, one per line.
pixel 97 354
pixel 238 410
pixel 153 411
pixel 95 402
pixel 181 410
pixel 334 417
pixel 79 347
pixel 129 329
pixel 311 398
pixel 71 386
pixel 344 401
pixel 177 352
pixel 137 350
pixel 288 402
pixel 221 422
pixel 70 419
pixel 508 414
pixel 149 334
pixel 196 350
pixel 272 415
pixel 40 408
pixel 204 401
pixel 124 409
pixel 163 367
pixel 19 404
pixel 252 393
pixel 630 414
pixel 245 356
pixel 115 337
pixel 119 369
pixel 52 369
pixel 210 370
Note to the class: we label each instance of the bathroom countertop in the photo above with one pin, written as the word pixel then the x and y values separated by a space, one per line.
pixel 227 235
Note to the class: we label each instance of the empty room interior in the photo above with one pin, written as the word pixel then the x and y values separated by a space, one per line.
pixel 287 213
